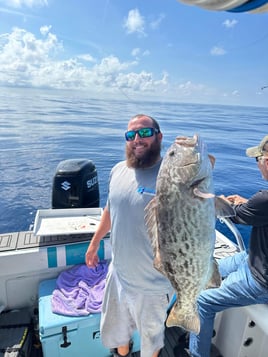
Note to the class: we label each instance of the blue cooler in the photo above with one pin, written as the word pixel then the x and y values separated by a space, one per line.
pixel 67 336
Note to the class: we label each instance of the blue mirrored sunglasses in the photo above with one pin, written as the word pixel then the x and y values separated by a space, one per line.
pixel 143 133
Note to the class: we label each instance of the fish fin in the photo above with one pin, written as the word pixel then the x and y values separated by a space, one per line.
pixel 158 262
pixel 223 208
pixel 203 194
pixel 212 160
pixel 188 320
pixel 151 223
pixel 215 280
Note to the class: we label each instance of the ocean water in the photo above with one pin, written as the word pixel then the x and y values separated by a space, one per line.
pixel 40 128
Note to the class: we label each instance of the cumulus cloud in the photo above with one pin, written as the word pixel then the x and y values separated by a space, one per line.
pixel 188 88
pixel 111 64
pixel 37 61
pixel 22 46
pixel 140 82
pixel 134 23
pixel 217 51
pixel 229 23
pixel 23 56
pixel 26 60
pixel 44 30
pixel 86 57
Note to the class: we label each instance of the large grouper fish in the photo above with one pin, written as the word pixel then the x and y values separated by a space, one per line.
pixel 181 225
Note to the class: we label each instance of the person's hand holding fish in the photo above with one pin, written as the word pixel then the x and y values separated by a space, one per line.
pixel 234 199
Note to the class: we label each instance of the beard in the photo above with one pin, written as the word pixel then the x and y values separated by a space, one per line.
pixel 148 159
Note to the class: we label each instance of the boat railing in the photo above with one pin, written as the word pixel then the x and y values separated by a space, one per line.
pixel 235 231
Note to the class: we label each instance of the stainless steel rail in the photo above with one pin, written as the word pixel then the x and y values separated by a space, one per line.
pixel 235 231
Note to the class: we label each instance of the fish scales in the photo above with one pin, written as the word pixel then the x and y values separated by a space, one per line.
pixel 181 224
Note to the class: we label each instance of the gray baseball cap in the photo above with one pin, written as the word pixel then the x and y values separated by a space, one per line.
pixel 260 150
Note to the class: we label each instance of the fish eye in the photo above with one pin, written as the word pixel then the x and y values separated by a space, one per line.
pixel 172 153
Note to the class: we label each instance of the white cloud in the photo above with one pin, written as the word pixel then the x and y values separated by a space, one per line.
pixel 188 87
pixel 111 64
pixel 229 23
pixel 135 52
pixel 26 60
pixel 141 82
pixel 135 22
pixel 21 3
pixel 87 57
pixel 156 23
pixel 235 93
pixel 146 53
pixel 217 51
pixel 44 30
pixel 22 46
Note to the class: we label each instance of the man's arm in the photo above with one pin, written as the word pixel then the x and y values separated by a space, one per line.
pixel 252 212
pixel 91 257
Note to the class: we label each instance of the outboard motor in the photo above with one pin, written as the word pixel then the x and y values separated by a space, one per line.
pixel 75 185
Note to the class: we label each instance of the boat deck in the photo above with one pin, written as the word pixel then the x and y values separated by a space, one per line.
pixel 26 240
pixel 175 341
pixel 174 336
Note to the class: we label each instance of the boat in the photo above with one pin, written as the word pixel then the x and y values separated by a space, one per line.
pixel 233 6
pixel 32 260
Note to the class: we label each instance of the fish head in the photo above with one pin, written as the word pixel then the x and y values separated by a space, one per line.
pixel 187 162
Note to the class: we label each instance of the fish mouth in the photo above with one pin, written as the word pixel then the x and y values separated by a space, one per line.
pixel 190 163
pixel 186 141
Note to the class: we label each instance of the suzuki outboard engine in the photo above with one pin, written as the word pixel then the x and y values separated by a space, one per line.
pixel 75 185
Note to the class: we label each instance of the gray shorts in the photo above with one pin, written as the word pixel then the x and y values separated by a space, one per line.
pixel 124 312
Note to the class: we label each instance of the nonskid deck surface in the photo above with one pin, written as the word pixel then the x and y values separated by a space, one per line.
pixel 27 239
pixel 176 340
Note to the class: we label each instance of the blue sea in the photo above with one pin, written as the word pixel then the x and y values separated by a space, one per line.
pixel 40 128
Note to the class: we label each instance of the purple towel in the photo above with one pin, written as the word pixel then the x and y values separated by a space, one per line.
pixel 80 290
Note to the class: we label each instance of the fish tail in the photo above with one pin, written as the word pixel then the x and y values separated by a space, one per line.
pixel 188 320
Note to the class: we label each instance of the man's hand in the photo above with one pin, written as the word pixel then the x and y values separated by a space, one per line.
pixel 91 256
pixel 234 199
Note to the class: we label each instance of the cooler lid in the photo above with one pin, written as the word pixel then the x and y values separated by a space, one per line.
pixel 51 324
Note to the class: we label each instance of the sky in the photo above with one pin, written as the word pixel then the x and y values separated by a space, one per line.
pixel 161 50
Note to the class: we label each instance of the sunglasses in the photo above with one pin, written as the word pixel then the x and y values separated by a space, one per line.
pixel 143 133
pixel 258 158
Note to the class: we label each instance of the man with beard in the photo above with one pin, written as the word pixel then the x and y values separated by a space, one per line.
pixel 136 294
